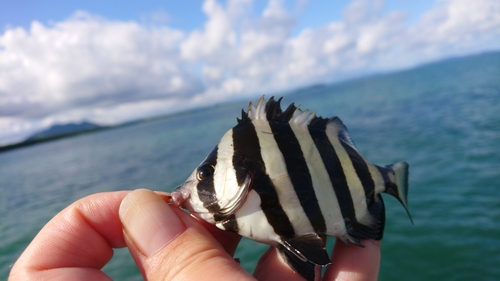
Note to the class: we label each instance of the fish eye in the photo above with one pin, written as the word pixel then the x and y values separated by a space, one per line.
pixel 205 171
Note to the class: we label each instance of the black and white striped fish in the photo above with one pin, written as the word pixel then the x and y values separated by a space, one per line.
pixel 285 177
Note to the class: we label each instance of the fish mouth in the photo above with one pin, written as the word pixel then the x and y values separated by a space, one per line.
pixel 179 195
pixel 179 198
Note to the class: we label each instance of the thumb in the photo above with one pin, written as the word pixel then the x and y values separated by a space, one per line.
pixel 168 244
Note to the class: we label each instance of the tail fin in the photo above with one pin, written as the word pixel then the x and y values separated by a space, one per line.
pixel 399 188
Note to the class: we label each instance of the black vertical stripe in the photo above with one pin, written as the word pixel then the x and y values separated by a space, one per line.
pixel 240 169
pixel 230 223
pixel 298 171
pixel 362 171
pixel 206 189
pixel 335 173
pixel 247 147
pixel 385 176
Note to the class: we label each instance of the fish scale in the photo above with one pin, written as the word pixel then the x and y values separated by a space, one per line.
pixel 285 177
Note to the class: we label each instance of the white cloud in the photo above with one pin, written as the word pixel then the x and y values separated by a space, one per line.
pixel 218 35
pixel 88 67
pixel 86 60
pixel 457 27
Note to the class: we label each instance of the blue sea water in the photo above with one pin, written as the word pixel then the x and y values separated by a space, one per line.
pixel 442 118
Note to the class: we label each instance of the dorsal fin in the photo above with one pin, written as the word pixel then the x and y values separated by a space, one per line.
pixel 274 112
pixel 271 111
pixel 341 130
pixel 303 117
pixel 258 112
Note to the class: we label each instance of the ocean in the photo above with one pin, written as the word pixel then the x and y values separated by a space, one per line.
pixel 442 118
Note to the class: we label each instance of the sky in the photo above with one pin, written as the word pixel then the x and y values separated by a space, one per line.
pixel 110 62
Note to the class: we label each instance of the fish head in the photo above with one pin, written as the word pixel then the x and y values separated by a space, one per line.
pixel 218 186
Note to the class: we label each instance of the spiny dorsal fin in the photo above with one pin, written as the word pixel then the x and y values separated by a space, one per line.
pixel 303 118
pixel 271 111
pixel 258 112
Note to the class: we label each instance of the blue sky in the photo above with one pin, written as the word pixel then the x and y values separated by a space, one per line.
pixel 114 61
pixel 185 15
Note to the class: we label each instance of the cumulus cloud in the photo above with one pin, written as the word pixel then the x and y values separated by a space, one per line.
pixel 457 27
pixel 88 67
pixel 88 61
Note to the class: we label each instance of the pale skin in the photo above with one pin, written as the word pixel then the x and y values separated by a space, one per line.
pixel 165 242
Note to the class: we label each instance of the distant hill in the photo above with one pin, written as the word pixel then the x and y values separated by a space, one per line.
pixel 56 132
pixel 451 65
pixel 63 130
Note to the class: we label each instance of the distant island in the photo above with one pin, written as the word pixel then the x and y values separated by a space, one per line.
pixel 56 132
pixel 71 129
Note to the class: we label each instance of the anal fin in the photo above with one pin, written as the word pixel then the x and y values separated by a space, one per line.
pixel 375 230
pixel 347 239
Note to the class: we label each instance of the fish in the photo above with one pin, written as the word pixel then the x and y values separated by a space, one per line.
pixel 287 178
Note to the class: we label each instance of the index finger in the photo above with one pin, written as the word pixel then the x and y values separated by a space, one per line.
pixel 228 240
pixel 353 262
pixel 78 240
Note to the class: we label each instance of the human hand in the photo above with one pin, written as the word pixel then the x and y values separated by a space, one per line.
pixel 165 242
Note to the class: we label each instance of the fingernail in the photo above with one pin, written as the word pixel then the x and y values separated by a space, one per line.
pixel 148 221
